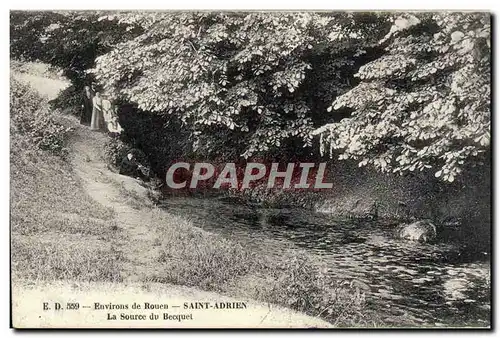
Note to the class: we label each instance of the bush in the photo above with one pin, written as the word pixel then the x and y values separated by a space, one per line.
pixel 69 100
pixel 115 150
pixel 31 118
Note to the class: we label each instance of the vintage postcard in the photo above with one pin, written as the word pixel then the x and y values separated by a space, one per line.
pixel 250 169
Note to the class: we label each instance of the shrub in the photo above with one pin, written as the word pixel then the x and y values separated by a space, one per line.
pixel 115 150
pixel 69 100
pixel 31 117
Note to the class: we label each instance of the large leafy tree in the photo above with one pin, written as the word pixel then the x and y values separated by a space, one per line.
pixel 401 92
pixel 69 40
pixel 424 103
pixel 255 83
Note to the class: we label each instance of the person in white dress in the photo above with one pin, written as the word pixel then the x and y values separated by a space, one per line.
pixel 110 117
pixel 97 115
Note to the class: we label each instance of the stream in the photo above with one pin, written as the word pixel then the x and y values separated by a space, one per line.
pixel 446 283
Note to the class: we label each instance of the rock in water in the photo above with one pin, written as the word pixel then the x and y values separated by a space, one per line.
pixel 420 231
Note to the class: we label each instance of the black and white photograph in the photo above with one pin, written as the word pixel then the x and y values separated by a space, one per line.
pixel 222 169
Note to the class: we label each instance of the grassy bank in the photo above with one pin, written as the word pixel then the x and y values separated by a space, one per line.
pixel 61 230
pixel 58 231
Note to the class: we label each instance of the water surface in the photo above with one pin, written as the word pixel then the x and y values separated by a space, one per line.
pixel 445 283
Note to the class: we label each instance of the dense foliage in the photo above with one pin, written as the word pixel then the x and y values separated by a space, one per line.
pixel 242 83
pixel 400 92
pixel 425 102
pixel 32 121
pixel 67 40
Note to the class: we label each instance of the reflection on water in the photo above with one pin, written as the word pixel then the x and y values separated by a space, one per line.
pixel 425 284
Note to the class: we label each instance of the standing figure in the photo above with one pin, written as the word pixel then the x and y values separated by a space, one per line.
pixel 97 117
pixel 111 118
pixel 87 106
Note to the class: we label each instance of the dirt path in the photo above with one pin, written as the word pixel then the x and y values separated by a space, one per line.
pixel 137 245
pixel 104 186
pixel 108 188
